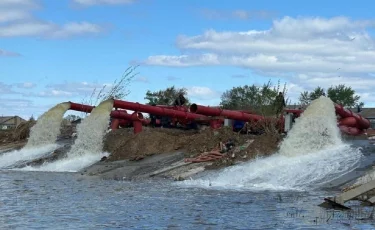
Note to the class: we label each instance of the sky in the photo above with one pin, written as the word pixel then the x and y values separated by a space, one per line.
pixel 56 51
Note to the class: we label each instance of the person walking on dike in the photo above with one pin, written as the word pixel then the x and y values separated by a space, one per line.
pixel 279 103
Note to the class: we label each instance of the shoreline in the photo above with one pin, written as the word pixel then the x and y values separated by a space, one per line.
pixel 169 164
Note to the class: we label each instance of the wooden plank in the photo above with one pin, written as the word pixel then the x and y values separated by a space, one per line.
pixel 353 193
pixel 329 203
pixel 371 200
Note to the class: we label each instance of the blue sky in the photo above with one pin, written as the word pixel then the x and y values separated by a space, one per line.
pixel 55 51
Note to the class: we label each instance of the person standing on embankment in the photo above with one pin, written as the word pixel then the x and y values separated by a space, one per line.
pixel 279 104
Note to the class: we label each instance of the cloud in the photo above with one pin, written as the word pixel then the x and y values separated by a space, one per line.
pixel 183 60
pixel 102 2
pixel 18 3
pixel 172 78
pixel 321 49
pixel 240 76
pixel 6 89
pixel 73 89
pixel 21 107
pixel 25 85
pixel 13 15
pixel 5 53
pixel 142 79
pixel 202 93
pixel 17 20
pixel 236 14
pixel 49 30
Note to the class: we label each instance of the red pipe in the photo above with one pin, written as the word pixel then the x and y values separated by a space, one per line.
pixel 81 107
pixel 361 122
pixel 123 122
pixel 136 117
pixel 215 112
pixel 115 124
pixel 179 108
pixel 157 110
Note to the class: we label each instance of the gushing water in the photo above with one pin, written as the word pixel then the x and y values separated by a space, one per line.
pixel 88 146
pixel 312 154
pixel 47 127
pixel 315 130
pixel 8 159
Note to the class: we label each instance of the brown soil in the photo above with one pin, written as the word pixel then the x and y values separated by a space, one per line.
pixel 19 134
pixel 123 144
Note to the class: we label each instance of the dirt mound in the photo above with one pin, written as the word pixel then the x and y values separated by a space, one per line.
pixel 20 133
pixel 123 144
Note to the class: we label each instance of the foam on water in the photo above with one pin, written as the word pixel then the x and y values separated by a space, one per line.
pixel 71 164
pixel 312 154
pixel 26 154
pixel 47 127
pixel 87 148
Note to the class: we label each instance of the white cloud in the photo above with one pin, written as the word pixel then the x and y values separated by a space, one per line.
pixel 49 30
pixel 236 14
pixel 21 107
pixel 183 60
pixel 17 19
pixel 5 53
pixel 103 2
pixel 203 93
pixel 13 15
pixel 172 78
pixel 6 89
pixel 18 3
pixel 305 51
pixel 142 79
pixel 240 76
pixel 26 85
pixel 75 88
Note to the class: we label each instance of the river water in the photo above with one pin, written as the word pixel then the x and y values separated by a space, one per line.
pixel 37 200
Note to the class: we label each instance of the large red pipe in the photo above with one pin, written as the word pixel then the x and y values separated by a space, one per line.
pixel 137 117
pixel 81 107
pixel 217 112
pixel 180 108
pixel 361 122
pixel 158 110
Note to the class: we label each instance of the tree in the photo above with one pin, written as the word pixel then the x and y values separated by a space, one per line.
pixel 72 117
pixel 344 95
pixel 339 94
pixel 166 96
pixel 316 93
pixel 32 119
pixel 306 97
pixel 252 97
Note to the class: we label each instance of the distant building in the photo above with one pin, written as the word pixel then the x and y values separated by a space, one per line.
pixel 10 122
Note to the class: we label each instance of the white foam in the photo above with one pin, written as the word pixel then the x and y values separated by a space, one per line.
pixel 26 154
pixel 72 164
pixel 311 155
pixel 87 148
pixel 280 172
